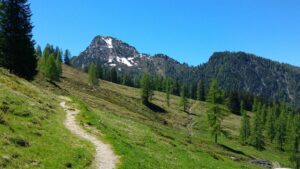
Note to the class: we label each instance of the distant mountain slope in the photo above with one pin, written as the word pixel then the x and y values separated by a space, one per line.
pixel 233 70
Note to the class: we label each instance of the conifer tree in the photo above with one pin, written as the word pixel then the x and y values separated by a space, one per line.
pixel 17 49
pixel 215 112
pixel 92 78
pixel 99 71
pixel 200 91
pixel 51 70
pixel 67 56
pixel 233 103
pixel 114 75
pixel 245 126
pixel 270 126
pixel 294 142
pixel 38 51
pixel 146 92
pixel 280 136
pixel 257 139
pixel 183 100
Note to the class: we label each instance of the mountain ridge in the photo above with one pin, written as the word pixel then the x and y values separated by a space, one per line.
pixel 234 70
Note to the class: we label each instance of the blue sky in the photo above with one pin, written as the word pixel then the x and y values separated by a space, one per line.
pixel 187 30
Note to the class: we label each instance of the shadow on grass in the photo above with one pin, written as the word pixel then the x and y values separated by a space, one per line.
pixel 155 108
pixel 235 151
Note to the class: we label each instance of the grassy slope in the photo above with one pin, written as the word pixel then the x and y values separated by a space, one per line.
pixel 152 139
pixel 32 134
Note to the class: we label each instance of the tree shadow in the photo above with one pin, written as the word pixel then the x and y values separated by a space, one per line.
pixel 235 151
pixel 155 108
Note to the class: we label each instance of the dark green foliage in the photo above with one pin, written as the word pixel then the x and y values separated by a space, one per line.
pixel 147 91
pixel 245 126
pixel 38 51
pixel 233 103
pixel 270 126
pixel 67 56
pixel 280 137
pixel 294 142
pixel 201 91
pixel 183 100
pixel 93 80
pixel 257 138
pixel 168 90
pixel 17 47
pixel 114 75
pixel 214 94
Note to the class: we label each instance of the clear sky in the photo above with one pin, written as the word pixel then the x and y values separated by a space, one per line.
pixel 187 30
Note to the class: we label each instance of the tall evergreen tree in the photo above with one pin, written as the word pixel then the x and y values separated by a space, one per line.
pixel 245 126
pixel 215 112
pixel 38 51
pixel 114 75
pixel 93 80
pixel 200 91
pixel 146 92
pixel 256 138
pixel 280 137
pixel 168 90
pixel 233 103
pixel 183 100
pixel 67 56
pixel 294 143
pixel 99 71
pixel 16 32
pixel 270 126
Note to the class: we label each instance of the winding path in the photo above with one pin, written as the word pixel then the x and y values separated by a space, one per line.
pixel 105 157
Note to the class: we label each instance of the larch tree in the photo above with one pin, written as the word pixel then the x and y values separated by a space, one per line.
pixel 280 136
pixel 245 126
pixel 215 112
pixel 270 126
pixel 183 100
pixel 200 91
pixel 51 70
pixel 146 92
pixel 92 75
pixel 257 138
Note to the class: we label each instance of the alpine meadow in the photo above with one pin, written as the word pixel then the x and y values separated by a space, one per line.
pixel 97 102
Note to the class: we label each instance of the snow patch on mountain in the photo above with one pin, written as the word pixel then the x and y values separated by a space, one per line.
pixel 124 61
pixel 108 41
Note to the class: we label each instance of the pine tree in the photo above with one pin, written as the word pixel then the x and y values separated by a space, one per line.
pixel 99 71
pixel 245 126
pixel 114 75
pixel 270 126
pixel 256 138
pixel 38 51
pixel 93 80
pixel 233 103
pixel 200 91
pixel 146 92
pixel 51 70
pixel 280 136
pixel 183 100
pixel 215 112
pixel 67 56
pixel 17 49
